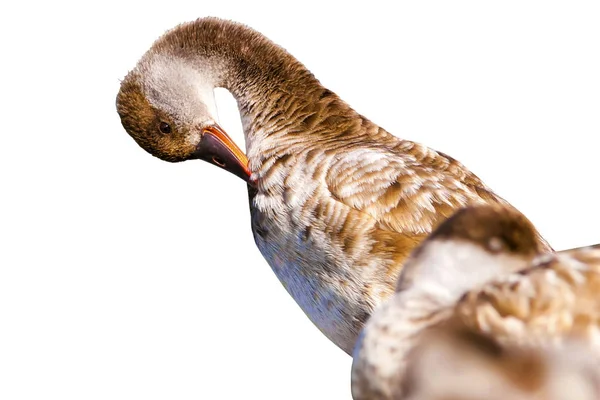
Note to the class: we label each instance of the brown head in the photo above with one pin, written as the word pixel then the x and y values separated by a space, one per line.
pixel 167 105
pixel 473 246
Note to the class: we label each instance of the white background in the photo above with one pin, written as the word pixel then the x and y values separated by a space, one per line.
pixel 125 277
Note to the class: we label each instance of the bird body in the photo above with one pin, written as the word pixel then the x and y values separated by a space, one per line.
pixel 337 203
pixel 340 261
pixel 482 272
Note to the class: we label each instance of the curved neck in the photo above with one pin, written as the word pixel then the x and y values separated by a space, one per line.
pixel 271 87
pixel 276 95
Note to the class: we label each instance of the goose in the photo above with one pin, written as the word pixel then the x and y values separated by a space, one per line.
pixel 336 202
pixel 482 270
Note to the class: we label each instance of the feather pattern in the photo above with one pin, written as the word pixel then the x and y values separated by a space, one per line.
pixel 554 299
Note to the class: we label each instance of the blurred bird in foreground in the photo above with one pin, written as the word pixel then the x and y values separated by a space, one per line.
pixel 482 272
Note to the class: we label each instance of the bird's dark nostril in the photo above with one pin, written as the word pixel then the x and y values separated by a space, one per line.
pixel 218 161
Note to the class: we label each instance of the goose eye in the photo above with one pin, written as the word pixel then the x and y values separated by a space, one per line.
pixel 165 128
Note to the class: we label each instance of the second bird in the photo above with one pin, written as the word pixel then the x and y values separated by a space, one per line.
pixel 337 203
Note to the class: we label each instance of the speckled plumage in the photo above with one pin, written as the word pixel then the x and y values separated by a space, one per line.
pixel 338 202
pixel 556 297
pixel 484 277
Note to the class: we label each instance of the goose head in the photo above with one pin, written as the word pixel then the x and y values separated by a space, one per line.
pixel 475 245
pixel 167 106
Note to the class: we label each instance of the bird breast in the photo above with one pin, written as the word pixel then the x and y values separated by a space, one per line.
pixel 315 245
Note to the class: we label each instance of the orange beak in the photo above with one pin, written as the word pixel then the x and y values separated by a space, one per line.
pixel 217 148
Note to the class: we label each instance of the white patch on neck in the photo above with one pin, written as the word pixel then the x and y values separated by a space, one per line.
pixel 447 269
pixel 183 90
